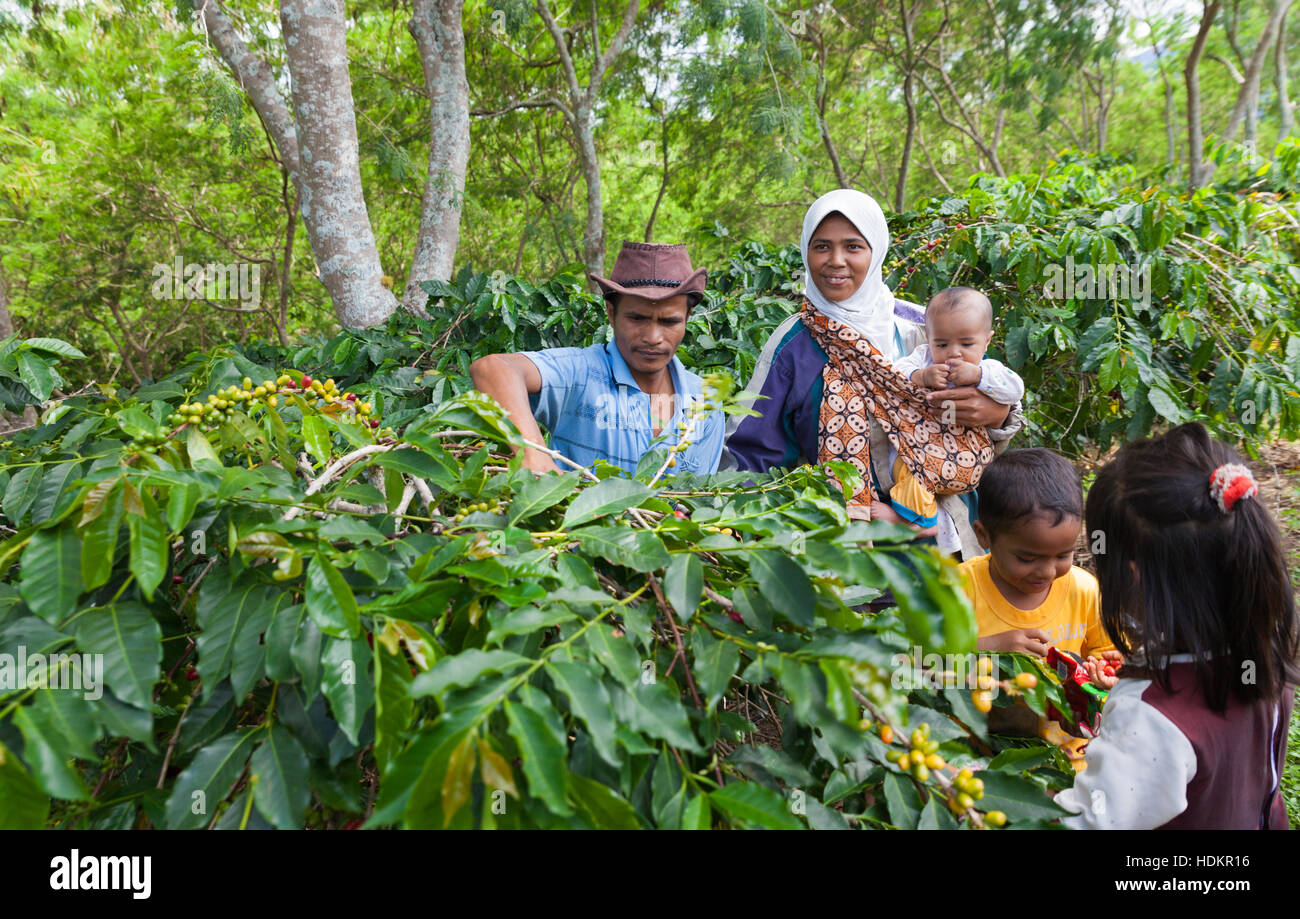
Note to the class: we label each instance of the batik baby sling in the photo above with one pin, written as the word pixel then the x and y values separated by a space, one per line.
pixel 860 385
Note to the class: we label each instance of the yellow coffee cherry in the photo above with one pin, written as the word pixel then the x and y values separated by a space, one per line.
pixel 271 401
pixel 995 818
pixel 984 682
pixel 905 762
pixel 922 772
pixel 985 666
pixel 886 733
pixel 248 382
pixel 1026 680
pixel 965 801
pixel 935 761
pixel 983 702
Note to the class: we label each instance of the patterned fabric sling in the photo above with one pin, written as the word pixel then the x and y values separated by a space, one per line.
pixel 860 385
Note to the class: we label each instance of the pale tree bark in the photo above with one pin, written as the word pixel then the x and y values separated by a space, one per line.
pixel 6 321
pixel 580 114
pixel 318 149
pixel 1198 170
pixel 1247 104
pixel 333 207
pixel 1285 113
pixel 436 26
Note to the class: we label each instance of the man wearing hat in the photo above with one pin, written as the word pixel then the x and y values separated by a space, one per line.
pixel 609 401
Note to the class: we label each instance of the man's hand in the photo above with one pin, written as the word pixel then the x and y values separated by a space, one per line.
pixel 1024 641
pixel 933 377
pixel 970 406
pixel 961 373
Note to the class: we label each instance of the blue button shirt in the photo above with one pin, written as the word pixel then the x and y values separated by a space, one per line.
pixel 594 410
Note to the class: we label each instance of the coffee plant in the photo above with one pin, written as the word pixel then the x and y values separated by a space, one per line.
pixel 311 586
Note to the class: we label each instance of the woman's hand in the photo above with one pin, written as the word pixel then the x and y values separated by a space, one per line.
pixel 971 407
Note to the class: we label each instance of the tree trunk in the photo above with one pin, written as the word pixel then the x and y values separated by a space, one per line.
pixel 1285 114
pixel 436 26
pixel 1248 93
pixel 333 207
pixel 1198 171
pixel 593 238
pixel 6 321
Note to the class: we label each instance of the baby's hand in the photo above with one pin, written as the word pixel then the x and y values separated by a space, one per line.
pixel 961 373
pixel 1025 641
pixel 933 377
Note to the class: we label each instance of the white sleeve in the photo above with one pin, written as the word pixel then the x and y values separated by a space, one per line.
pixel 1138 767
pixel 919 359
pixel 1000 383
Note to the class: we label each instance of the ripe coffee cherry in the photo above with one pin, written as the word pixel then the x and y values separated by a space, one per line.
pixel 191 674
pixel 983 701
pixel 736 617
pixel 886 733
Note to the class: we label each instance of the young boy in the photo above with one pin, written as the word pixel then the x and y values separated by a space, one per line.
pixel 958 329
pixel 1027 593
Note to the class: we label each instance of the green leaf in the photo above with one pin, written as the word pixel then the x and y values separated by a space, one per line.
pixel 1017 796
pixel 684 584
pixel 539 493
pixel 540 737
pixel 330 601
pixel 280 790
pixel 464 669
pixel 754 805
pixel 715 664
pixel 904 803
pixel 51 573
pixel 130 640
pixel 697 814
pixel 52 346
pixel 588 700
pixel 639 550
pixel 429 461
pixel 180 506
pixel 55 496
pixel 56 728
pixel 346 682
pixel 601 805
pixel 785 585
pixel 200 451
pixel 149 549
pixel 350 529
pixel 36 374
pixel 99 542
pixel 21 492
pixel 232 619
pixel 317 438
pixel 23 806
pixel 614 653
pixel 655 710
pixel 209 778
pixel 607 497
pixel 393 705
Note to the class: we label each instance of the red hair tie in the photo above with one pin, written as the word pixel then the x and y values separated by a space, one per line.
pixel 1230 483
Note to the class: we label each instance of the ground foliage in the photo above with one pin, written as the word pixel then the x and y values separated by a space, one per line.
pixel 305 620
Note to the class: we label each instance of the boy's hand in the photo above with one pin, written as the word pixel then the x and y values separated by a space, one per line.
pixel 1024 641
pixel 933 377
pixel 961 373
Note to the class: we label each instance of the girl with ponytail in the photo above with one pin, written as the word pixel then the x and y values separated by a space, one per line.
pixel 1196 595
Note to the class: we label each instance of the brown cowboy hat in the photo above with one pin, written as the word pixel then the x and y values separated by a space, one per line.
pixel 655 271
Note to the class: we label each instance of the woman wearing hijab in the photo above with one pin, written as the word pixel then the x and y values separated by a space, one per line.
pixel 831 394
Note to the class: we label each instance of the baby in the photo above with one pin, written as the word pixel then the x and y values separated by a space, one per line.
pixel 958 328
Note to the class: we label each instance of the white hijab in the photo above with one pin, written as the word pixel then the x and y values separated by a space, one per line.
pixel 870 310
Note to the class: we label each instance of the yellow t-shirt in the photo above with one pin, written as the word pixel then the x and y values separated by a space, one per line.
pixel 1071 614
pixel 1071 617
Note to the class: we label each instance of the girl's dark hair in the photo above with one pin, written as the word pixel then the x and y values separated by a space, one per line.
pixel 1022 483
pixel 1180 576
